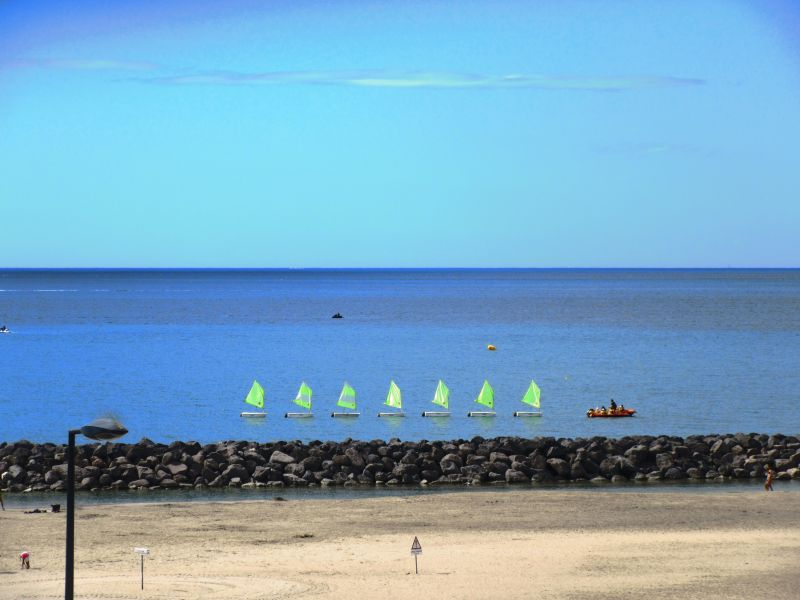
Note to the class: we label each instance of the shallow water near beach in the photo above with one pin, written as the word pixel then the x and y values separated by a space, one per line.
pixel 44 500
pixel 173 353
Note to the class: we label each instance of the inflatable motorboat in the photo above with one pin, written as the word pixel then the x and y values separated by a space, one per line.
pixel 616 413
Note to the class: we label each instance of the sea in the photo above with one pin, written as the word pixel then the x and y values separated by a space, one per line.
pixel 173 353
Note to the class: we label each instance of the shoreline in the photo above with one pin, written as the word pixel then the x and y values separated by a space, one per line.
pixel 28 467
pixel 576 545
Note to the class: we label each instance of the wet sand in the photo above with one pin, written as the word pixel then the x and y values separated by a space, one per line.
pixel 508 544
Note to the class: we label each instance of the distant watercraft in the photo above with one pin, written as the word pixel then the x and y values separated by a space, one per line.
pixel 347 399
pixel 441 397
pixel 532 398
pixel 594 413
pixel 4 329
pixel 485 398
pixel 394 400
pixel 491 347
pixel 337 316
pixel 303 399
pixel 255 397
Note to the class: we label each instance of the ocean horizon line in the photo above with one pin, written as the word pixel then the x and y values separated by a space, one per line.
pixel 377 269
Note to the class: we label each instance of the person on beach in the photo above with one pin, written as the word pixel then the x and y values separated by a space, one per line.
pixel 24 560
pixel 3 506
pixel 768 482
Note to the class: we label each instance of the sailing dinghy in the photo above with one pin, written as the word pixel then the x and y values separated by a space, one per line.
pixel 394 400
pixel 347 399
pixel 255 397
pixel 485 398
pixel 303 399
pixel 531 398
pixel 441 398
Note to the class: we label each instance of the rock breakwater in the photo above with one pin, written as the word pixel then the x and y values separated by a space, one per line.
pixel 27 466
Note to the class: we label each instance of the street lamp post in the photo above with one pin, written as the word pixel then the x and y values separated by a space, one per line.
pixel 99 429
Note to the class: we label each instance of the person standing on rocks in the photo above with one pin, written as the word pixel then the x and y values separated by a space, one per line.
pixel 768 482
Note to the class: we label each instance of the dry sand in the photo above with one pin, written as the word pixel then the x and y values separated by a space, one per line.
pixel 504 544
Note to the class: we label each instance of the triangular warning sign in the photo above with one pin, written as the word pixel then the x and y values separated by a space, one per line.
pixel 416 546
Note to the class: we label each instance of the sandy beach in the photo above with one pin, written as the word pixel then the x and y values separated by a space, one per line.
pixel 504 544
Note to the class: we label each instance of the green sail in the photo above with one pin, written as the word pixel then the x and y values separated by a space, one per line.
pixel 393 398
pixel 486 397
pixel 442 395
pixel 533 395
pixel 347 399
pixel 303 396
pixel 256 395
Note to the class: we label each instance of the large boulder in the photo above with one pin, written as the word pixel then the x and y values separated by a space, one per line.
pixel 560 467
pixel 16 474
pixel 674 473
pixel 176 468
pixel 356 460
pixel 281 458
pixel 236 471
pixel 664 460
pixel 513 476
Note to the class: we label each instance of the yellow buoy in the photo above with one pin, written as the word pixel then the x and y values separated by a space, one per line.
pixel 491 347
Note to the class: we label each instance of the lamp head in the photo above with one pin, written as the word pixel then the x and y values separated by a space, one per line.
pixel 105 428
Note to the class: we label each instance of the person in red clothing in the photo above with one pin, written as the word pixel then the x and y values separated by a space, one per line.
pixel 24 560
pixel 768 482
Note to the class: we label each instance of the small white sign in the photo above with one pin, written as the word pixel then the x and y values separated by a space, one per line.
pixel 142 551
pixel 416 547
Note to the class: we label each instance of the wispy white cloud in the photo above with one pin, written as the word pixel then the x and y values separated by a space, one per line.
pixel 422 79
pixel 78 64
pixel 357 78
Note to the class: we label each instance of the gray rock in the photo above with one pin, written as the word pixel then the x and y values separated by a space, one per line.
pixel 177 468
pixel 139 483
pixel 513 476
pixel 695 473
pixel 16 474
pixel 664 461
pixel 674 473
pixel 281 458
pixel 560 467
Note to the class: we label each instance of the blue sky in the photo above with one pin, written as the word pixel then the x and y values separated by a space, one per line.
pixel 399 134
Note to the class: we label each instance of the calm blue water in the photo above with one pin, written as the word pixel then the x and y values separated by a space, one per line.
pixel 173 353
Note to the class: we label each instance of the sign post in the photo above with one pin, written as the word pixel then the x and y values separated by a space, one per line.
pixel 416 550
pixel 142 552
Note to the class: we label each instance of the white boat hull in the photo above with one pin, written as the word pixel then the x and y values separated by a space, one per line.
pixel 299 415
pixel 526 413
pixel 253 415
pixel 481 413
pixel 345 414
pixel 391 414
pixel 435 413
